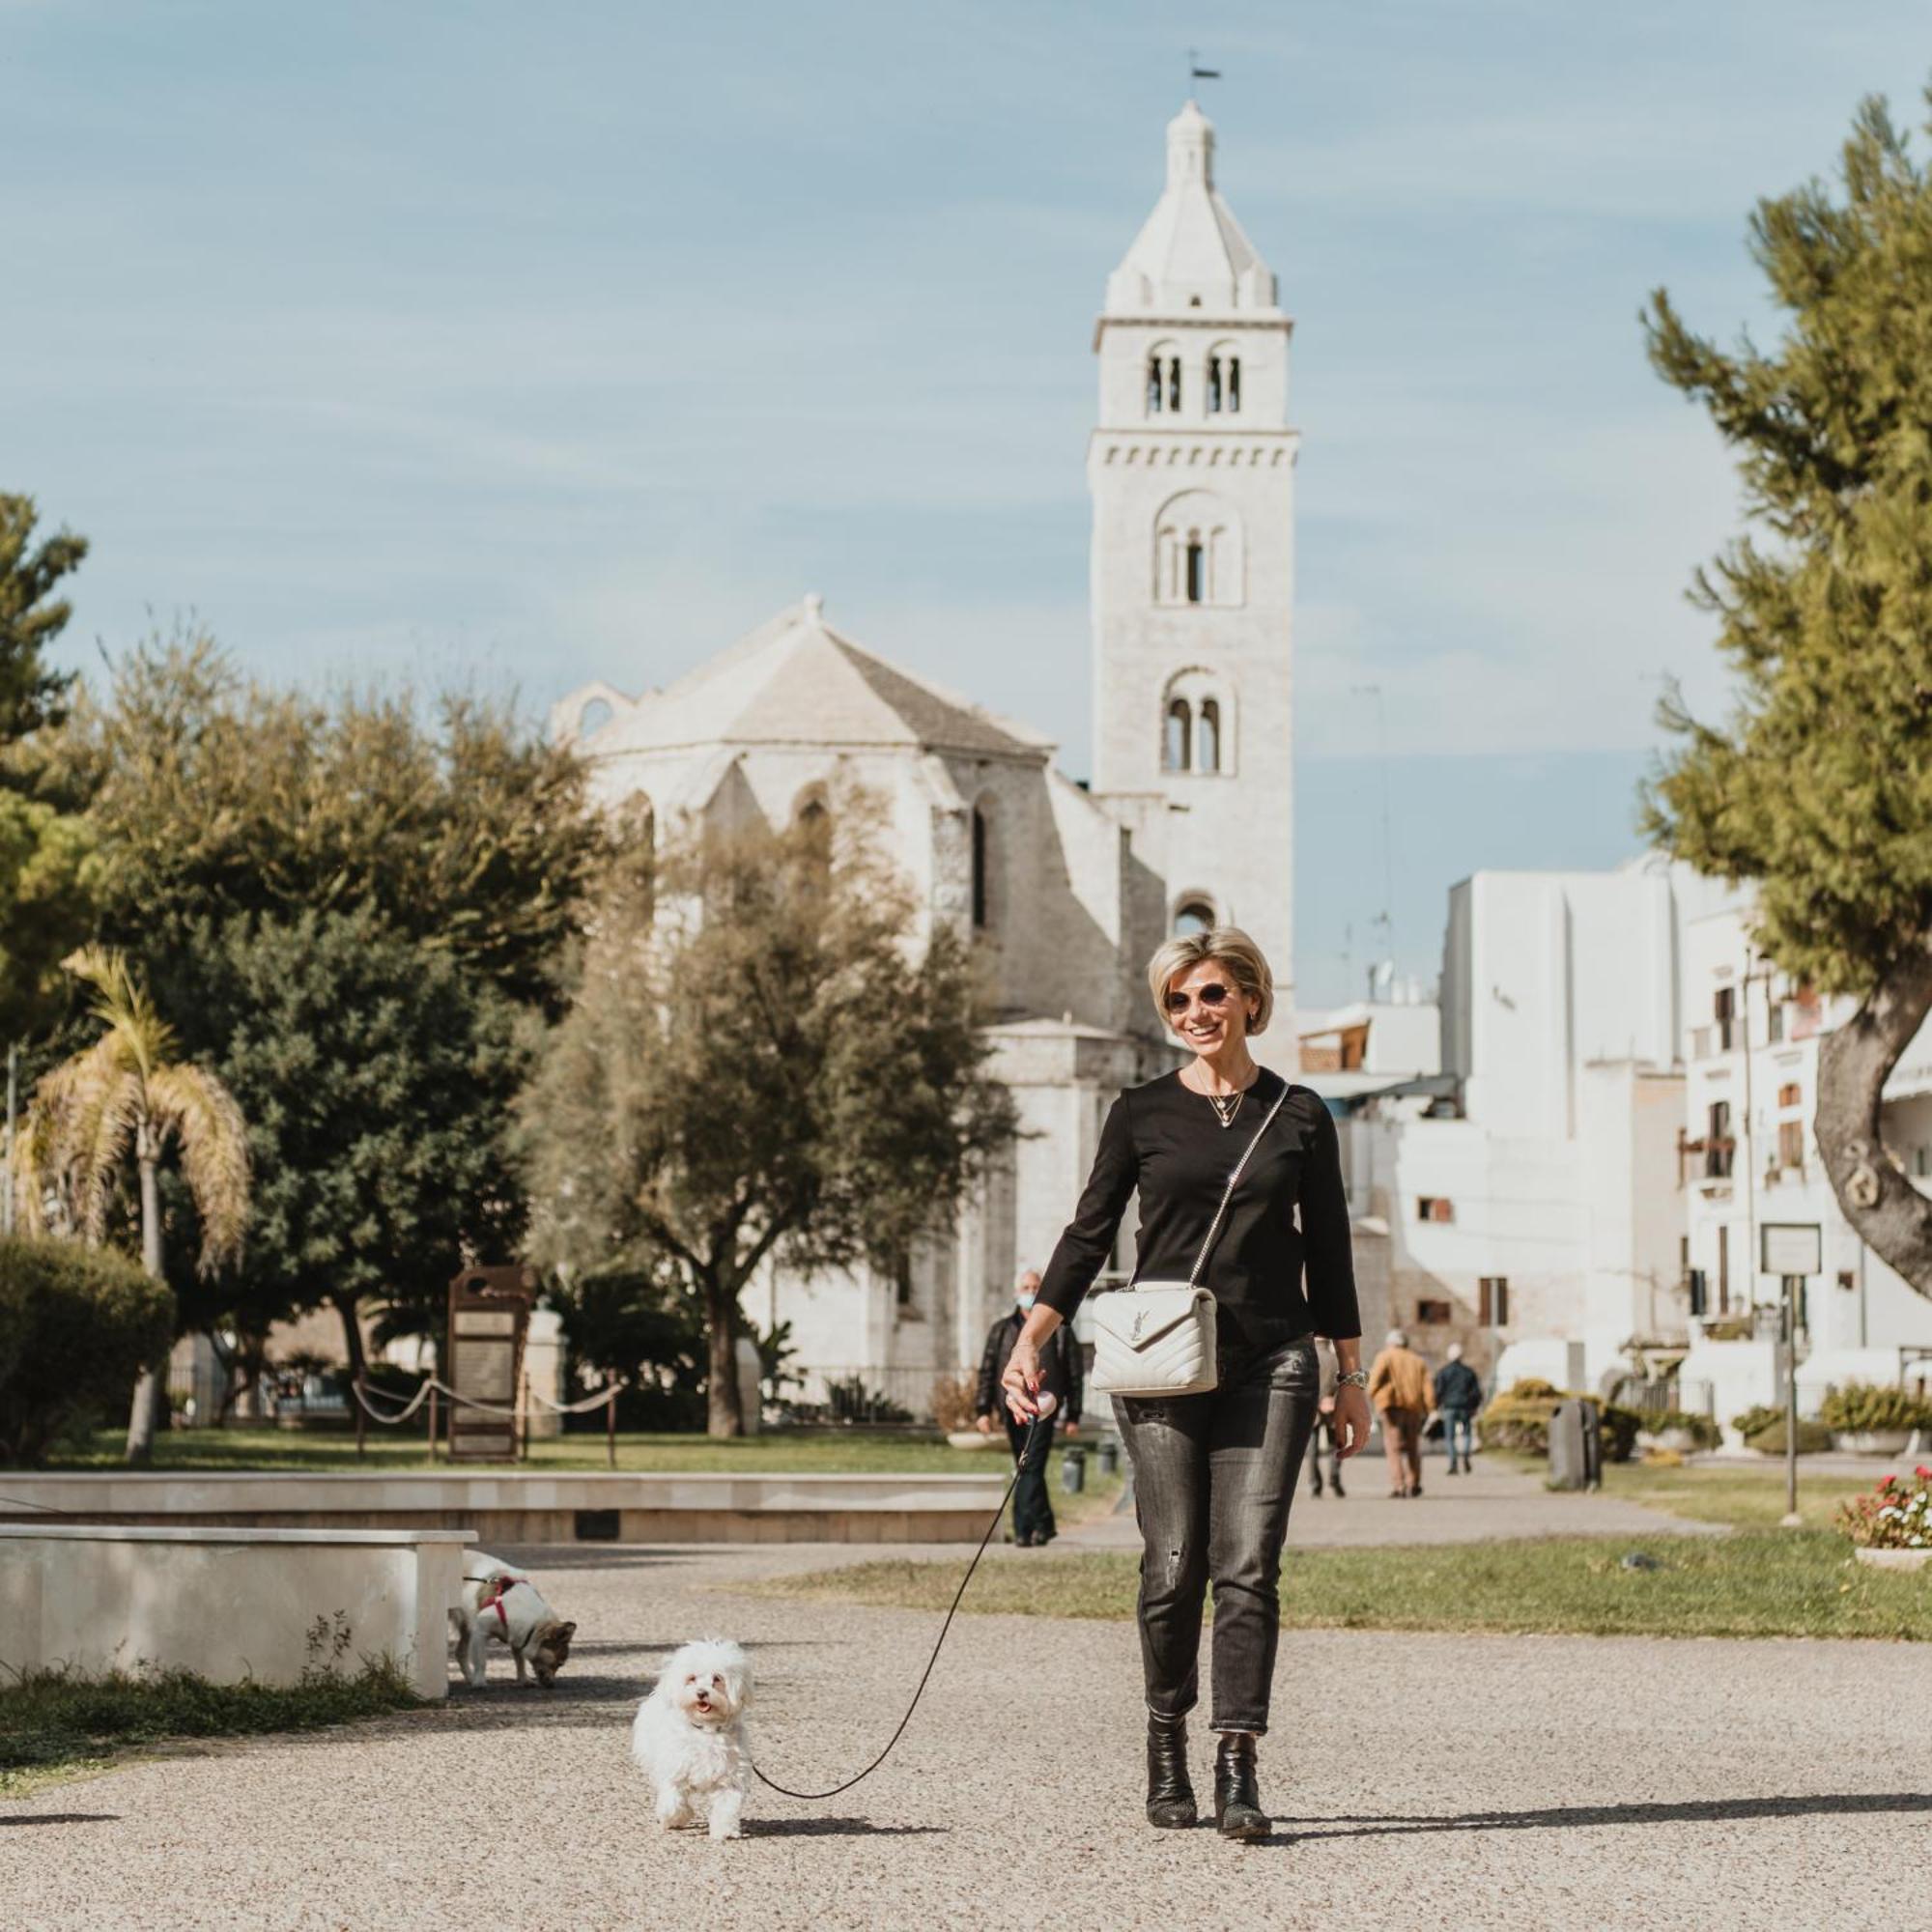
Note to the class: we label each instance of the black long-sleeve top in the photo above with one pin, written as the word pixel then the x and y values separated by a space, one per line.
pixel 1280 1267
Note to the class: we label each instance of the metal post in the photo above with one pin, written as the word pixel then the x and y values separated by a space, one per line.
pixel 1792 1519
pixel 610 1421
pixel 362 1417
pixel 432 1422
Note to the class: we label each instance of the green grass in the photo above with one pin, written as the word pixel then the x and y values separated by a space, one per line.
pixel 854 1452
pixel 56 1725
pixel 1739 1494
pixel 1784 1583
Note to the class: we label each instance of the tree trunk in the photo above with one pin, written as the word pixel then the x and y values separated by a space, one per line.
pixel 352 1336
pixel 151 1389
pixel 1853 1061
pixel 724 1414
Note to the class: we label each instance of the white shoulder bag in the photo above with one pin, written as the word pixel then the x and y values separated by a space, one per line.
pixel 1158 1337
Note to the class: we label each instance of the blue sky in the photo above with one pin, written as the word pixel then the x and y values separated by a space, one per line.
pixel 523 346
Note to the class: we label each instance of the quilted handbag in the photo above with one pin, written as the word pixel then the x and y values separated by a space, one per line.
pixel 1157 1337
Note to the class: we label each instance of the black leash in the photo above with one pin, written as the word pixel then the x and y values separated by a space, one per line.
pixel 1026 1456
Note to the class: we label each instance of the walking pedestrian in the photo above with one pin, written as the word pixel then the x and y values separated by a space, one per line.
pixel 1325 1441
pixel 1216 1472
pixel 1459 1395
pixel 1400 1388
pixel 1034 1527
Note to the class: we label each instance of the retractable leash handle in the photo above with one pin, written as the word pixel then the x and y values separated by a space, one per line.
pixel 1048 1404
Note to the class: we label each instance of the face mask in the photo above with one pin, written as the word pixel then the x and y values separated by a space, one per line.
pixel 1026 1301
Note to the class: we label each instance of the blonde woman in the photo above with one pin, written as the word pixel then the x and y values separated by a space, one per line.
pixel 1214 1473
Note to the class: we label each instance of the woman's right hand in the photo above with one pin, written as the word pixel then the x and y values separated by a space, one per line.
pixel 1021 1379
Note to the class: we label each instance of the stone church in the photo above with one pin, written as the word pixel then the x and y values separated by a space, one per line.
pixel 1068 887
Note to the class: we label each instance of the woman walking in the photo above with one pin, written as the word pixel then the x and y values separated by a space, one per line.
pixel 1214 1473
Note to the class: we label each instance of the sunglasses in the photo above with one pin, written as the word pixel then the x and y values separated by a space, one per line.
pixel 1209 997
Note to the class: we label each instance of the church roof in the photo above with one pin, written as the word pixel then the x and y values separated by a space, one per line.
pixel 1190 251
pixel 794 680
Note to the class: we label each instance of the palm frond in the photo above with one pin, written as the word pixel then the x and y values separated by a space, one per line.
pixel 188 1104
pixel 124 1005
pixel 75 1136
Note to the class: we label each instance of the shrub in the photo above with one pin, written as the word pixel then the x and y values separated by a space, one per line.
pixel 1897 1515
pixel 1517 1417
pixel 1813 1438
pixel 1619 1427
pixel 1704 1434
pixel 851 1401
pixel 76 1325
pixel 1757 1418
pixel 953 1399
pixel 1860 1407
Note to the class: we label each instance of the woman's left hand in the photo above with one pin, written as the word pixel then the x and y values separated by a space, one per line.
pixel 1353 1420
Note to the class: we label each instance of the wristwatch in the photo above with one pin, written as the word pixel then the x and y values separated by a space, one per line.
pixel 1354 1379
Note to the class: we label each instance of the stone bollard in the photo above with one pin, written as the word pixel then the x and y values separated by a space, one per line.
pixel 1109 1456
pixel 750 1383
pixel 542 1370
pixel 1073 1468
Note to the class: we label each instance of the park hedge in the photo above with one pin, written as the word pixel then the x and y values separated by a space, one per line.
pixel 77 1326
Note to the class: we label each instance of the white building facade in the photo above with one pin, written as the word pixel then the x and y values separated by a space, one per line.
pixel 1063 890
pixel 1750 1095
pixel 1530 1194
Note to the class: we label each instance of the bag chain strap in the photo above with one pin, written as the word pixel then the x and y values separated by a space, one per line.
pixel 1228 1192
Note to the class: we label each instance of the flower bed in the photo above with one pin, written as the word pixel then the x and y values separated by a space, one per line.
pixel 1897 1515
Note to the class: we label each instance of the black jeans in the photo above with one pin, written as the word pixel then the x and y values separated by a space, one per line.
pixel 1213 1477
pixel 1032 1514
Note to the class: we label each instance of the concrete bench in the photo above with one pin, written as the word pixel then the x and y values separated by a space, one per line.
pixel 526 1506
pixel 227 1603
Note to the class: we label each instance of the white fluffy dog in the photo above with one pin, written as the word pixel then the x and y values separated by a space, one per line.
pixel 689 1738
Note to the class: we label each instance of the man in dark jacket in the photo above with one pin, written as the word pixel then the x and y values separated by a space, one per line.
pixel 1459 1395
pixel 1060 1373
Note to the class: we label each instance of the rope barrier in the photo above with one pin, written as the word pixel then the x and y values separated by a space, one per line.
pixel 588 1403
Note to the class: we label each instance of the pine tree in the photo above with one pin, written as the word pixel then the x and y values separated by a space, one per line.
pixel 31 617
pixel 1818 788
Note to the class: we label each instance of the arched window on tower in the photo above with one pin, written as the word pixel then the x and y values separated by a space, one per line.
pixel 1193 914
pixel 1163 380
pixel 1213 385
pixel 981 898
pixel 1233 380
pixel 1207 737
pixel 1177 744
pixel 1196 720
pixel 1197 552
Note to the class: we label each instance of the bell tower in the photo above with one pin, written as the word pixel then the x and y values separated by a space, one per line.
pixel 1192 473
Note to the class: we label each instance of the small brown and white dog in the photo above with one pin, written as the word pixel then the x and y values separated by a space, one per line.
pixel 499 1602
pixel 689 1738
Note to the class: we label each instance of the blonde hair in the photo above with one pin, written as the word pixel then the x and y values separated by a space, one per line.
pixel 1224 945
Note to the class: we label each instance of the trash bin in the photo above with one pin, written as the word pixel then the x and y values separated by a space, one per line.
pixel 1073 1468
pixel 1576 1446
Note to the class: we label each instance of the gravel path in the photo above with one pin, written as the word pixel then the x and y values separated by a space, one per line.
pixel 1490 1502
pixel 1423 1781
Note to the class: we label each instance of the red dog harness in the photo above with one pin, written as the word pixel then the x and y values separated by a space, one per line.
pixel 492 1599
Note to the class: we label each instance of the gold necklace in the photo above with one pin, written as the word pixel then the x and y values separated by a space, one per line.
pixel 1227 1105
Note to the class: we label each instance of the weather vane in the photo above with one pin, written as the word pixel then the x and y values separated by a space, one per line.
pixel 1196 72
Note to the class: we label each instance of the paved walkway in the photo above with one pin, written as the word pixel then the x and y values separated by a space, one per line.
pixel 1422 1781
pixel 1477 1507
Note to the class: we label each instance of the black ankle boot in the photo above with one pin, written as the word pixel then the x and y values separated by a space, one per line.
pixel 1237 1801
pixel 1170 1799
